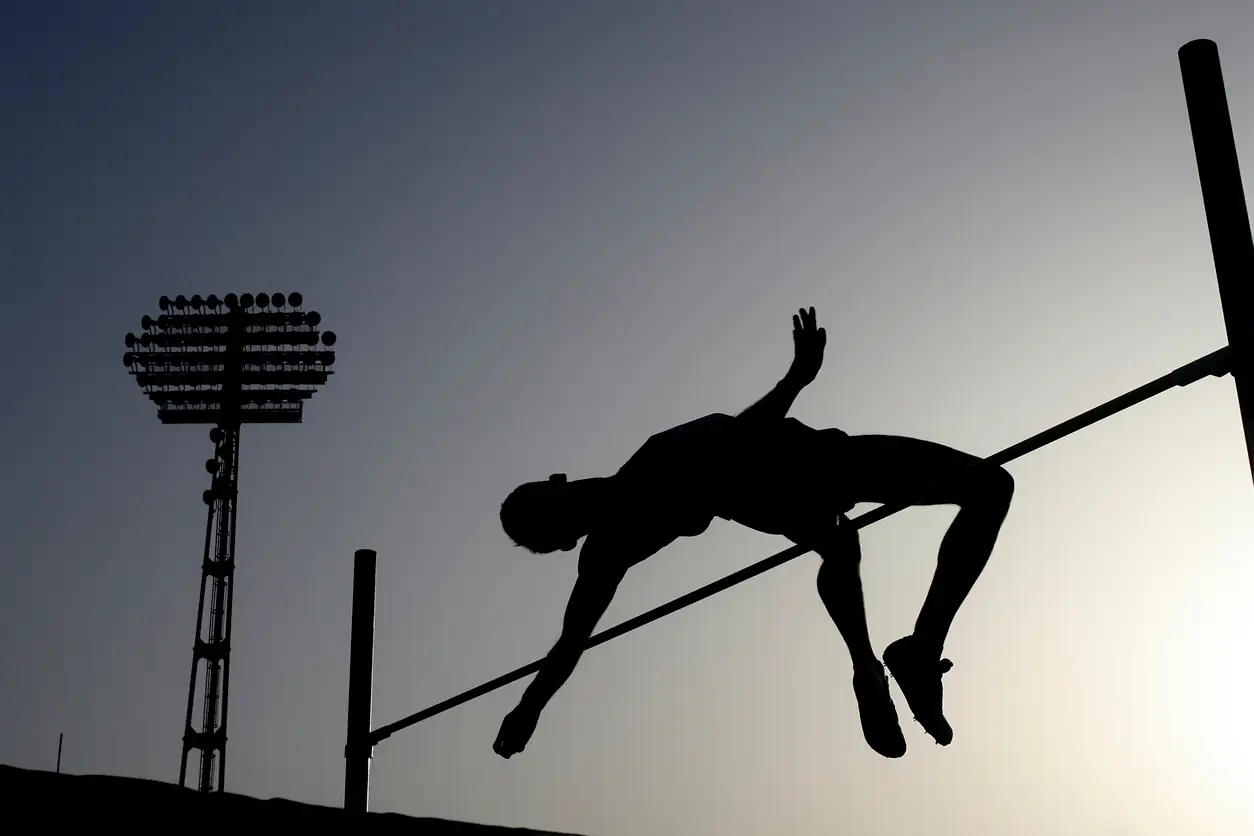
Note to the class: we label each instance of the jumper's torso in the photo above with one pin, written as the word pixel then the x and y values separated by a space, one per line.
pixel 772 476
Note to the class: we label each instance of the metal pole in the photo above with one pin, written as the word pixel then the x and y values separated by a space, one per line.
pixel 1220 176
pixel 233 516
pixel 60 740
pixel 358 747
pixel 200 618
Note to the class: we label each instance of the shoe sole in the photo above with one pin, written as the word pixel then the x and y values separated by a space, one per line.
pixel 943 736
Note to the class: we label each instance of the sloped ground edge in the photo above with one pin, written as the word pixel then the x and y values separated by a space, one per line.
pixel 45 799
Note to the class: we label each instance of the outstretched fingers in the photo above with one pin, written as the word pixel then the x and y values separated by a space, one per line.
pixel 805 327
pixel 804 320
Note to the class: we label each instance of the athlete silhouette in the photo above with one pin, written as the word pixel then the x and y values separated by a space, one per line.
pixel 776 475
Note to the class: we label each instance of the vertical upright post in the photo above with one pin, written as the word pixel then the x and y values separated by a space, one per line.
pixel 357 748
pixel 60 740
pixel 1226 215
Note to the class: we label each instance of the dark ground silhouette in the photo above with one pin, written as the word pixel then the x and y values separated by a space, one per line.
pixel 47 801
pixel 773 474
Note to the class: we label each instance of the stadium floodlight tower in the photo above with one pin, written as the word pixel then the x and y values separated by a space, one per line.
pixel 227 362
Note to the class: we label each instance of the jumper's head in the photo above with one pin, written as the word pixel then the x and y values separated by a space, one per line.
pixel 543 517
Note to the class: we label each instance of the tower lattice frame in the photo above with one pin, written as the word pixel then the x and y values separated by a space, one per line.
pixel 227 362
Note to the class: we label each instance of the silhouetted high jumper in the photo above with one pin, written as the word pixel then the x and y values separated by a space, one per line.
pixel 776 475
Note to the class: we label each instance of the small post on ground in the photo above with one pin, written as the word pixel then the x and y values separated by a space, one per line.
pixel 357 748
pixel 60 740
pixel 1226 214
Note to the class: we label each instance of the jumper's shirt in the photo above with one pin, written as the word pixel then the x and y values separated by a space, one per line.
pixel 770 475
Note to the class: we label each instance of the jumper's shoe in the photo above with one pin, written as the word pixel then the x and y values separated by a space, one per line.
pixel 918 674
pixel 877 712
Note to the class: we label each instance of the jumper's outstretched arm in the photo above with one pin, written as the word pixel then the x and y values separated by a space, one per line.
pixel 588 602
pixel 775 404
pixel 808 343
pixel 594 589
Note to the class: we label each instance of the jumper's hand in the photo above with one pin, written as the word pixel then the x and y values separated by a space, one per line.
pixel 516 730
pixel 808 343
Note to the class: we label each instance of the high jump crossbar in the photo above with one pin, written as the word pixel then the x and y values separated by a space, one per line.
pixel 1233 252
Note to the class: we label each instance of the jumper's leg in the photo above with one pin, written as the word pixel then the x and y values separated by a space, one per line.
pixel 840 588
pixel 890 469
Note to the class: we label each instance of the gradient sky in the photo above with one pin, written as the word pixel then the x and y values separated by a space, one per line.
pixel 544 231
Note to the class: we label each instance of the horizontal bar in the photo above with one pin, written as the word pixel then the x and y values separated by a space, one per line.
pixel 223 339
pixel 225 318
pixel 155 360
pixel 277 414
pixel 1215 364
pixel 212 398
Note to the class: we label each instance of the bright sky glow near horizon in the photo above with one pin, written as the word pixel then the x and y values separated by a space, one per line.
pixel 544 231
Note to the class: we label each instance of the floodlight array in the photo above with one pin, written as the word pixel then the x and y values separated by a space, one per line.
pixel 206 359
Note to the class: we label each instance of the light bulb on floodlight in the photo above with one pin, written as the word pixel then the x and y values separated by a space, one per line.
pixel 215 435
pixel 164 303
pixel 278 299
pixel 128 359
pixel 295 299
pixel 180 302
pixel 231 300
pixel 146 322
pixel 213 301
pixel 130 340
pixel 313 318
pixel 263 300
pixel 145 340
pixel 328 338
pixel 197 301
pixel 246 300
